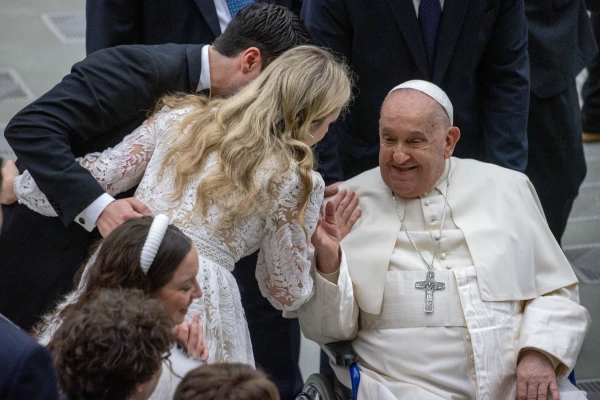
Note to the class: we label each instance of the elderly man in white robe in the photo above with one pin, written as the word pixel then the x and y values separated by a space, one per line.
pixel 450 285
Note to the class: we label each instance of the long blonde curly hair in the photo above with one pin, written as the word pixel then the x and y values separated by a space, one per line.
pixel 271 118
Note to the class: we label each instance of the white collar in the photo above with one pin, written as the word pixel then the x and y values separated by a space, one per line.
pixel 204 82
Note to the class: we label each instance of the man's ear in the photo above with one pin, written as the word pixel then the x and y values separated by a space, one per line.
pixel 251 61
pixel 451 139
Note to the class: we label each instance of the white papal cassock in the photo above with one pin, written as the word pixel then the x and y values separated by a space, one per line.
pixel 508 288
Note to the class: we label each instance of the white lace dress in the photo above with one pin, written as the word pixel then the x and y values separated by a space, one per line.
pixel 283 270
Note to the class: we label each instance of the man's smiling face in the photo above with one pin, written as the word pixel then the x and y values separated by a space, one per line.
pixel 415 140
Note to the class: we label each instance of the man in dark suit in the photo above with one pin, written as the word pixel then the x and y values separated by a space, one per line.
pixel 561 44
pixel 106 97
pixel 590 113
pixel 476 51
pixel 26 369
pixel 112 23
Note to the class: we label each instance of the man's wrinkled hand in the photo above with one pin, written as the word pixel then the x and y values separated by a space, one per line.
pixel 118 212
pixel 332 189
pixel 536 377
pixel 326 238
pixel 7 192
pixel 346 213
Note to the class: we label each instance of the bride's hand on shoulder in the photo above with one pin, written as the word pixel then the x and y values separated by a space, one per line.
pixel 336 220
pixel 192 335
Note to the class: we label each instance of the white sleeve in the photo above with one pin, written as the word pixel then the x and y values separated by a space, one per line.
pixel 331 315
pixel 555 324
pixel 116 169
pixel 88 217
pixel 283 270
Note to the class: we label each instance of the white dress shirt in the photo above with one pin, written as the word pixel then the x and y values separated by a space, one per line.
pixel 204 81
pixel 223 14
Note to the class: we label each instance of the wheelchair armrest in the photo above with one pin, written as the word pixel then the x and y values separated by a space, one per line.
pixel 342 353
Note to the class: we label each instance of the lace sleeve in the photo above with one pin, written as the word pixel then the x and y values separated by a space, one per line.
pixel 283 270
pixel 116 169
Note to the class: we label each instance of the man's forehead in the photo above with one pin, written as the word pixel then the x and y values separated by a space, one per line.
pixel 407 101
pixel 416 89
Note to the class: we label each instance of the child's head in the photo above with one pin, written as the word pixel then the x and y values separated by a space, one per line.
pixel 112 347
pixel 226 382
pixel 168 274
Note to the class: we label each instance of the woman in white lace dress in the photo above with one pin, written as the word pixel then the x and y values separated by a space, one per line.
pixel 235 175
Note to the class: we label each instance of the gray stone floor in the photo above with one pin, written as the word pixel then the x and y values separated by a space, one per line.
pixel 35 55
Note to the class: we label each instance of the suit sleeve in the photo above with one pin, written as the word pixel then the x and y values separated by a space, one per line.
pixel 104 91
pixel 116 169
pixel 111 23
pixel 35 378
pixel 327 21
pixel 505 84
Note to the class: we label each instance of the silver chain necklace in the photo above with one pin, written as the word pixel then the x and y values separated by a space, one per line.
pixel 429 285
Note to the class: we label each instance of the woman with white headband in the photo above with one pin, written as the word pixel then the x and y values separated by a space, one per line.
pixel 153 256
pixel 235 175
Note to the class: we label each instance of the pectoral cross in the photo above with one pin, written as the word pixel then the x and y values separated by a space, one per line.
pixel 429 285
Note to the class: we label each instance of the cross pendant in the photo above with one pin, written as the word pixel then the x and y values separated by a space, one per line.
pixel 430 286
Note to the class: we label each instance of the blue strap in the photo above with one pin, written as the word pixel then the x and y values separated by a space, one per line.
pixel 572 377
pixel 355 379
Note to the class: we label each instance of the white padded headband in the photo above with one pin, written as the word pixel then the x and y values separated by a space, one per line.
pixel 153 240
pixel 432 91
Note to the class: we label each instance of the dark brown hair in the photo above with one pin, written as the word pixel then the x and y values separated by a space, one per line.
pixel 226 382
pixel 271 28
pixel 117 263
pixel 112 343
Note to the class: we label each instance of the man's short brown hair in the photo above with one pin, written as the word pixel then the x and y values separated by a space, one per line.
pixel 226 382
pixel 110 344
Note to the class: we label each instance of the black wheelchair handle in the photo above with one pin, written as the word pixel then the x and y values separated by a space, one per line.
pixel 342 353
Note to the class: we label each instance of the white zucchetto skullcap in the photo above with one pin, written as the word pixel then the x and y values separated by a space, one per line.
pixel 432 91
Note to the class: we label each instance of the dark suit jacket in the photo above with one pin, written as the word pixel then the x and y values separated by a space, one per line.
pixel 561 43
pixel 115 22
pixel 26 370
pixel 104 98
pixel 481 62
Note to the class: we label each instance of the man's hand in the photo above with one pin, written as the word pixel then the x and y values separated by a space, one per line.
pixel 191 334
pixel 346 214
pixel 332 189
pixel 536 377
pixel 118 212
pixel 7 192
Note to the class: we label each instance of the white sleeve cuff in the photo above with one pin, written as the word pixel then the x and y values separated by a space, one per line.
pixel 88 217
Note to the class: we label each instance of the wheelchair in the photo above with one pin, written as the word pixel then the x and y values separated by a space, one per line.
pixel 317 387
